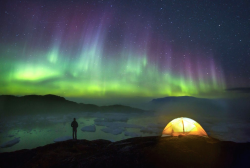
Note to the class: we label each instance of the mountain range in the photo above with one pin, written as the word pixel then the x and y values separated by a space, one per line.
pixel 47 104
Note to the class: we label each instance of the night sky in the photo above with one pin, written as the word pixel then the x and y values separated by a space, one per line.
pixel 109 49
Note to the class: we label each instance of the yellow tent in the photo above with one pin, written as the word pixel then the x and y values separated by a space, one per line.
pixel 183 126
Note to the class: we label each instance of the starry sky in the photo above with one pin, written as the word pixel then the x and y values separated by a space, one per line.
pixel 125 49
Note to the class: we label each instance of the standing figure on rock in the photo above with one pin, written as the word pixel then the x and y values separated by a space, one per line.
pixel 74 125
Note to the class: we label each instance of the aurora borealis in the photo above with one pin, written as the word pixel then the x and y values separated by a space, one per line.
pixel 101 49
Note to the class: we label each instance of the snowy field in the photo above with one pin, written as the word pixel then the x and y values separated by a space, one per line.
pixel 27 132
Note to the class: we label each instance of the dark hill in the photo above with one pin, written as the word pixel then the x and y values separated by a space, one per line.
pixel 172 99
pixel 47 104
pixel 189 151
pixel 190 106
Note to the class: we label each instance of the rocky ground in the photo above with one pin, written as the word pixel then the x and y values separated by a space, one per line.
pixel 189 151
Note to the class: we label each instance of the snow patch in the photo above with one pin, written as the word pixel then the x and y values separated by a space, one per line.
pixel 90 128
pixel 114 131
pixel 100 122
pixel 10 143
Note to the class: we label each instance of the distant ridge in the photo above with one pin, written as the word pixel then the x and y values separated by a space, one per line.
pixel 175 99
pixel 47 104
pixel 48 97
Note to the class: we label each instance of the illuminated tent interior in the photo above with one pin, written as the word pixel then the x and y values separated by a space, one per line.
pixel 183 126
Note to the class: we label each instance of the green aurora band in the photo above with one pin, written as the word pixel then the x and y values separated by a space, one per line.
pixel 80 62
pixel 92 76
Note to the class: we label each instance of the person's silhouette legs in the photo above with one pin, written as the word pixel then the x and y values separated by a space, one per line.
pixel 74 134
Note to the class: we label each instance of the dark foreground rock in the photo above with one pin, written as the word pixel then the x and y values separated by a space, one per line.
pixel 189 151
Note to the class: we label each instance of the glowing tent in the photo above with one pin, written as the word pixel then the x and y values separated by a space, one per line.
pixel 183 126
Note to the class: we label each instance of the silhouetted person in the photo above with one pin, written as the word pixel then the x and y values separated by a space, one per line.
pixel 74 125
